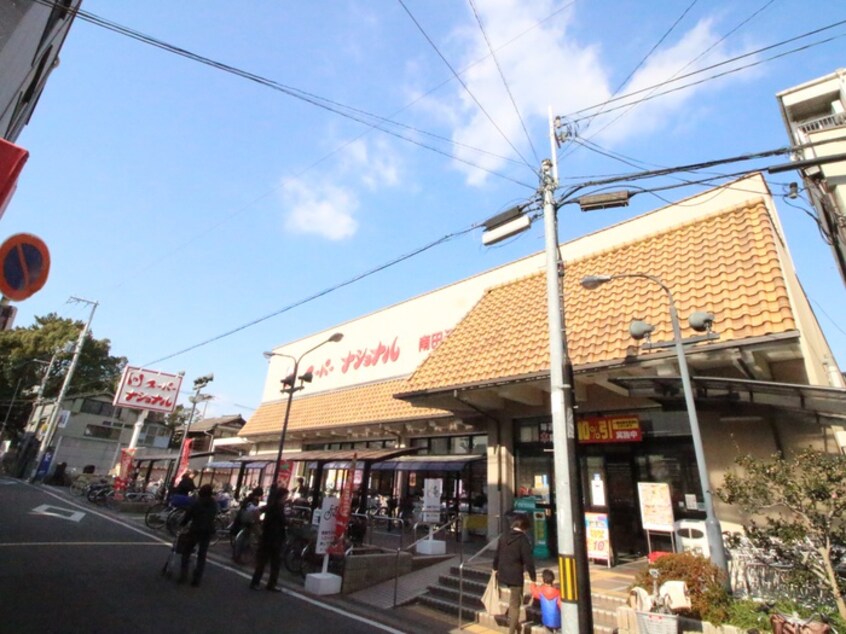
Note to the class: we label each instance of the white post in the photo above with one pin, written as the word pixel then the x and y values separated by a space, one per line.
pixel 54 415
pixel 136 430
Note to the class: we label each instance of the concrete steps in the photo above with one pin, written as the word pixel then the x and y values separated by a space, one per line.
pixel 443 596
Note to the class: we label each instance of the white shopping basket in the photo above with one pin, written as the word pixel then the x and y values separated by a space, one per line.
pixel 653 623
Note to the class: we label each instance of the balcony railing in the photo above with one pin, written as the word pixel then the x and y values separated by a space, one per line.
pixel 822 123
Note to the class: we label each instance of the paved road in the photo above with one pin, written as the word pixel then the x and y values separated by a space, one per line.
pixel 67 567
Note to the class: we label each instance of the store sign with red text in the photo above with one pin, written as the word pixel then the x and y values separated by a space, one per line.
pixel 148 389
pixel 609 429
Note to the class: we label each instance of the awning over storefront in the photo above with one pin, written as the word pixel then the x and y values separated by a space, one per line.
pixel 339 458
pixel 823 402
pixel 155 457
pixel 427 463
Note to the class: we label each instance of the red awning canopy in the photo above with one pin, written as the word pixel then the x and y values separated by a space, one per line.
pixel 12 159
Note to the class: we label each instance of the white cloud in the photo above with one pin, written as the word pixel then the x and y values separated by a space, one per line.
pixel 376 166
pixel 546 67
pixel 652 115
pixel 327 211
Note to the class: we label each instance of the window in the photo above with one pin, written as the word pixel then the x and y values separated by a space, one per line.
pixel 98 408
pixel 106 433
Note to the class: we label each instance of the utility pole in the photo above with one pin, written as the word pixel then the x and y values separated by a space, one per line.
pixel 573 574
pixel 54 415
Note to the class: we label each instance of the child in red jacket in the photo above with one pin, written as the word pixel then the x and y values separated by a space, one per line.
pixel 550 601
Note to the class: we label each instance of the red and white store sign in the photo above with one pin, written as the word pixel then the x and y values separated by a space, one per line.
pixel 609 429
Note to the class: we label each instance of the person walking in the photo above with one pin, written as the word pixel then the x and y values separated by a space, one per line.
pixel 200 518
pixel 271 542
pixel 514 558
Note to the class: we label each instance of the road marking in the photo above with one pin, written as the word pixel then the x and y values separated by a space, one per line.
pixel 58 511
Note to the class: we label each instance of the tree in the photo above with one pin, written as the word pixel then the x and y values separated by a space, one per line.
pixel 803 500
pixel 25 355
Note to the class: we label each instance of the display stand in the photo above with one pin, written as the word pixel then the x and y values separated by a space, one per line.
pixel 323 583
pixel 431 546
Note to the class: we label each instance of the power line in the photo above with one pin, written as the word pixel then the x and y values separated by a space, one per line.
pixel 646 57
pixel 504 81
pixel 349 112
pixel 707 68
pixel 325 291
pixel 691 62
pixel 463 84
pixel 565 198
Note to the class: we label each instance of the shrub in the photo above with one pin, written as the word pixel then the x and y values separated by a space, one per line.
pixel 709 599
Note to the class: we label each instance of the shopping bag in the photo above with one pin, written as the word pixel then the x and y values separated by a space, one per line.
pixel 491 599
pixel 183 544
pixel 787 625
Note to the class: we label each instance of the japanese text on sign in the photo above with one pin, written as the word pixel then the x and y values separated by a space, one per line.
pixel 148 389
pixel 364 358
pixel 598 536
pixel 432 340
pixel 608 429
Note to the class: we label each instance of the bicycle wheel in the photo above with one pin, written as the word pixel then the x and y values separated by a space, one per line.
pixel 242 551
pixel 156 515
pixel 174 521
pixel 293 557
pixel 220 529
pixel 311 561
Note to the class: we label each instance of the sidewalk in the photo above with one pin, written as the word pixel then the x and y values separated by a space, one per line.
pixel 378 602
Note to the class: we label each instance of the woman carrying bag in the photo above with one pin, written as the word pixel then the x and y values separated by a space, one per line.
pixel 514 558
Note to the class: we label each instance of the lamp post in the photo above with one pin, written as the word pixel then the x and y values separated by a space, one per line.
pixel 712 526
pixel 199 384
pixel 289 387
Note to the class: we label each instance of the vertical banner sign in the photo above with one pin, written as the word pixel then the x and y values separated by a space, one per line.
pixel 183 459
pixel 433 488
pixel 342 518
pixel 122 480
pixel 285 468
pixel 326 527
pixel 44 467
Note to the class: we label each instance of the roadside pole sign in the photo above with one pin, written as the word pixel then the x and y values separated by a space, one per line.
pixel 24 266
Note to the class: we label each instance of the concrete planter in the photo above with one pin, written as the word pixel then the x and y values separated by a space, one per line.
pixel 627 623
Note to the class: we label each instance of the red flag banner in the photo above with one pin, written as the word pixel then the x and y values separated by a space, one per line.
pixel 122 479
pixel 12 159
pixel 183 459
pixel 285 468
pixel 342 519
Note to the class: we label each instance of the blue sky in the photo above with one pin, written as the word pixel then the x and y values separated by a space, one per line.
pixel 190 202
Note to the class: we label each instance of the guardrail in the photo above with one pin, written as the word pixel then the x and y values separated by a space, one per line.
pixel 429 535
pixel 491 544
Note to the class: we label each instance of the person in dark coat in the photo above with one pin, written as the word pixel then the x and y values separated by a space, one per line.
pixel 272 541
pixel 514 558
pixel 200 518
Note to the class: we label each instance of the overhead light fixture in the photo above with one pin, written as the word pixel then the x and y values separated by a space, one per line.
pixel 594 202
pixel 504 225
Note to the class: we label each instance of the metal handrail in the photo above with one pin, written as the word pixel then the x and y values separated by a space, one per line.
pixel 490 544
pixel 412 545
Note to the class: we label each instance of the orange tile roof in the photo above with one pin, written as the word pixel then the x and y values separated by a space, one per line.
pixel 372 403
pixel 727 263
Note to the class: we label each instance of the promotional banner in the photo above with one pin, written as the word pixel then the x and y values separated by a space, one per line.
pixel 342 518
pixel 433 488
pixel 598 536
pixel 183 459
pixel 122 479
pixel 326 527
pixel 285 469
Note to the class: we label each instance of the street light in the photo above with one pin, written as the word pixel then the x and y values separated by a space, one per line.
pixel 199 384
pixel 701 321
pixel 289 387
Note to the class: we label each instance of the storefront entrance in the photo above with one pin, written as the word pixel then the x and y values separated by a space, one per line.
pixel 610 472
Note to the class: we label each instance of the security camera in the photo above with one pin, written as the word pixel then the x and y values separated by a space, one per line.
pixel 701 321
pixel 202 380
